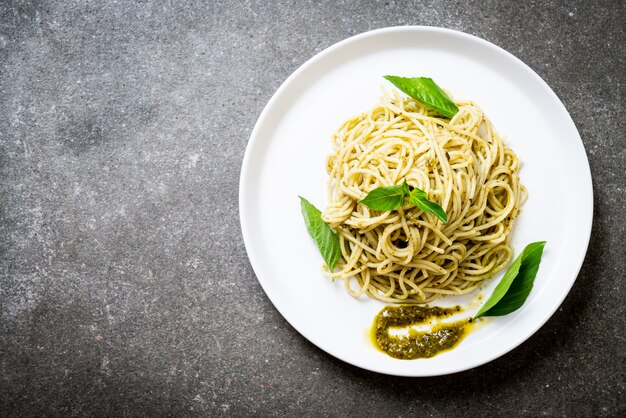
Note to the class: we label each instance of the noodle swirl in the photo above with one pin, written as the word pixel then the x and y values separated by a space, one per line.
pixel 407 255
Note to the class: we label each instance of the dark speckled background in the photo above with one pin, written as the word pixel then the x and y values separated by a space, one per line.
pixel 125 288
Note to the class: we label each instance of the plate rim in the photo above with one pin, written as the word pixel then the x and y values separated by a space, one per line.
pixel 253 141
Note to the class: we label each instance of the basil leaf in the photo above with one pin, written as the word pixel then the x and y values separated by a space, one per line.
pixel 419 199
pixel 386 198
pixel 515 286
pixel 426 91
pixel 326 239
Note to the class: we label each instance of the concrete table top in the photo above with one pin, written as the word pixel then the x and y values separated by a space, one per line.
pixel 125 289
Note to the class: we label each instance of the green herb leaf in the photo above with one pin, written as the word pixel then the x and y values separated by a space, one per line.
pixel 326 239
pixel 426 91
pixel 515 286
pixel 418 198
pixel 386 198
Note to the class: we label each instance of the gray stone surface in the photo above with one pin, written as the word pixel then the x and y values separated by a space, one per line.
pixel 125 288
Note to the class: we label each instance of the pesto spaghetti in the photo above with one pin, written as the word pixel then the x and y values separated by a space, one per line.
pixel 409 255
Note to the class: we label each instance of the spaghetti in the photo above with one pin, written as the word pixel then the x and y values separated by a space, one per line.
pixel 407 255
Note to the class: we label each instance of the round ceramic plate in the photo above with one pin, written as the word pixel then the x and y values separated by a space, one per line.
pixel 286 156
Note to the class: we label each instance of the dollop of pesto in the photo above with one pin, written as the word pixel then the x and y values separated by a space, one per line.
pixel 417 344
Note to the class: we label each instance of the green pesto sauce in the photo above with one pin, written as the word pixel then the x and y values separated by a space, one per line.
pixel 417 344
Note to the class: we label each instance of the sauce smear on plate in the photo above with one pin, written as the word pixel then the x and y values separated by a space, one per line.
pixel 412 344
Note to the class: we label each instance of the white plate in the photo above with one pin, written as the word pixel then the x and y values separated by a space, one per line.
pixel 286 158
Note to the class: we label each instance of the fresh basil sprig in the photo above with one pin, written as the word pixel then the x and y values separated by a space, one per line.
pixel 512 291
pixel 386 198
pixel 326 239
pixel 392 197
pixel 419 199
pixel 427 92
